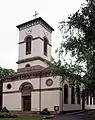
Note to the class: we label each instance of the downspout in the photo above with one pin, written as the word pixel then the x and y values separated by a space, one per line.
pixel 40 93
pixel 62 92
pixel 1 93
pixel 61 97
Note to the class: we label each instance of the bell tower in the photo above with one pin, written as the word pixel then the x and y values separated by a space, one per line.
pixel 34 44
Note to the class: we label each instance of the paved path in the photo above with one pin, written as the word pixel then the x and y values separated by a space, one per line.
pixel 74 117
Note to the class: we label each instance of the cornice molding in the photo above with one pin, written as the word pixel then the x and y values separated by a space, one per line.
pixel 35 90
pixel 33 59
pixel 31 68
pixel 35 22
pixel 46 72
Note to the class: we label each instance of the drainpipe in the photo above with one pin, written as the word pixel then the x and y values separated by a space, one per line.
pixel 40 93
pixel 1 93
pixel 62 93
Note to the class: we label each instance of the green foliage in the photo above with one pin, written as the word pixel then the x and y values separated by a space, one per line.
pixel 78 34
pixel 3 73
pixel 7 115
pixel 6 72
pixel 24 118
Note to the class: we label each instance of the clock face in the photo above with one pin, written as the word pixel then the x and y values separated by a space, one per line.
pixel 49 82
pixel 29 31
pixel 45 33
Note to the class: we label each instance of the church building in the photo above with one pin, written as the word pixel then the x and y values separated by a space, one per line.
pixel 33 88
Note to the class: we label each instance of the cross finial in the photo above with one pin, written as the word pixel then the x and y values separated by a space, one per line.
pixel 35 15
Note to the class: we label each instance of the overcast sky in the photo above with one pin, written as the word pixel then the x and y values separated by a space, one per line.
pixel 14 12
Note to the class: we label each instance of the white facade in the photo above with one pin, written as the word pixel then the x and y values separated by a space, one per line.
pixel 42 95
pixel 13 100
pixel 36 45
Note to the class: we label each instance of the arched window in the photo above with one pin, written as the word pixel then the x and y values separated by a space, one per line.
pixel 87 100
pixel 28 65
pixel 78 95
pixel 65 94
pixel 28 45
pixel 94 100
pixel 72 95
pixel 45 46
pixel 90 99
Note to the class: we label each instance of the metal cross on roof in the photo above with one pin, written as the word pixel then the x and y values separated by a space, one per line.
pixel 35 15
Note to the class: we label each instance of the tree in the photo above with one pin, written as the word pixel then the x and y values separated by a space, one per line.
pixel 3 73
pixel 6 72
pixel 78 33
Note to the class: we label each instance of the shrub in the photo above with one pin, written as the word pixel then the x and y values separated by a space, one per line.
pixel 45 112
pixel 7 115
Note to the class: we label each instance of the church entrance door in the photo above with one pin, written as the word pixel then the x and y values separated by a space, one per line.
pixel 26 103
pixel 26 89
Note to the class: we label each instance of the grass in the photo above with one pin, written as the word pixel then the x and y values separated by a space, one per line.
pixel 23 118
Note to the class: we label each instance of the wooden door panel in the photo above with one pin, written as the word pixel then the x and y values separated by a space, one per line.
pixel 26 103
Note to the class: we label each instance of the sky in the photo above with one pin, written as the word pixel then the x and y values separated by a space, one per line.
pixel 15 12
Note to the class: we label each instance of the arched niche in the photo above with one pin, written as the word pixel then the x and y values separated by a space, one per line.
pixel 26 88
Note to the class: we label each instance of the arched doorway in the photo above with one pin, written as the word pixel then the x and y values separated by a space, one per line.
pixel 26 89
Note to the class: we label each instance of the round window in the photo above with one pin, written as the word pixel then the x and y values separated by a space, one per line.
pixel 49 82
pixel 9 86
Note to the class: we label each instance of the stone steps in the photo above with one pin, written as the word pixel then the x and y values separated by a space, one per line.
pixel 19 113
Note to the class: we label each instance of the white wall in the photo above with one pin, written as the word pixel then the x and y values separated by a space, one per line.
pixel 56 82
pixel 37 45
pixel 12 101
pixel 54 96
pixel 42 30
pixel 70 106
pixel 35 32
pixel 37 49
pixel 34 82
pixel 33 63
pixel 5 86
pixel 35 101
pixel 17 84
pixel 49 99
